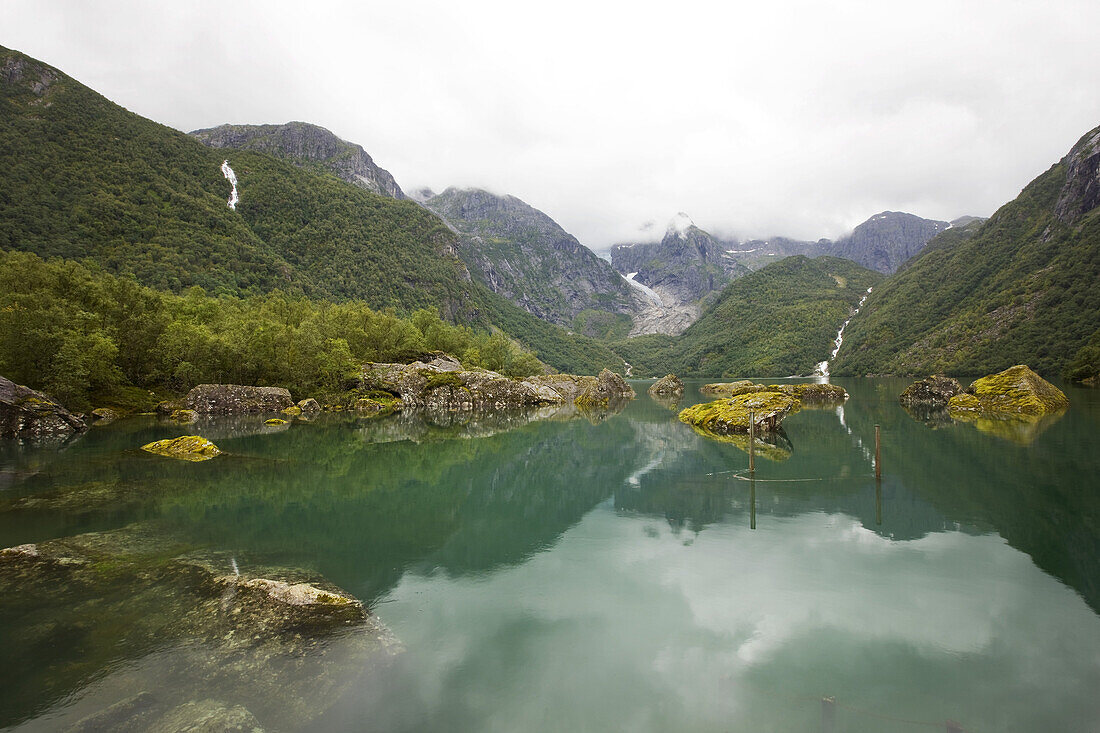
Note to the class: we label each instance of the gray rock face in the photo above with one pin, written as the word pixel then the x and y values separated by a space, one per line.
pixel 934 390
pixel 886 240
pixel 26 413
pixel 523 254
pixel 236 399
pixel 1081 192
pixel 33 75
pixel 686 265
pixel 443 384
pixel 301 141
pixel 667 386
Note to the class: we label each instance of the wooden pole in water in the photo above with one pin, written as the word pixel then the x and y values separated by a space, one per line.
pixel 878 455
pixel 752 442
pixel 752 501
pixel 828 714
pixel 878 501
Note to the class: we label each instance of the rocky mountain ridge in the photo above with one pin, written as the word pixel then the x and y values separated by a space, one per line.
pixel 303 142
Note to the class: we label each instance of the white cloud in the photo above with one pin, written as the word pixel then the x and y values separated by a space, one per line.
pixel 799 118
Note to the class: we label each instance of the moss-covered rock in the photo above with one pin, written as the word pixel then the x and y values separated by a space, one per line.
pixel 731 415
pixel 184 416
pixel 934 390
pixel 813 393
pixel 25 413
pixel 105 415
pixel 964 403
pixel 275 421
pixel 185 447
pixel 732 389
pixel 309 405
pixel 1018 390
pixel 774 446
pixel 609 388
pixel 667 386
pixel 293 411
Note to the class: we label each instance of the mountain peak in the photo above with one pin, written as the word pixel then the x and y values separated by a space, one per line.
pixel 679 225
pixel 1081 192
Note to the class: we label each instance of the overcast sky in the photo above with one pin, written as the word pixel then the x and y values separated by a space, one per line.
pixel 759 118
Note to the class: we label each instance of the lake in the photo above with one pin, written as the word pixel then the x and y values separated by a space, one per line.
pixel 615 571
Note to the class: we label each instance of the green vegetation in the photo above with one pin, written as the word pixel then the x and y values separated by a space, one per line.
pixel 83 335
pixel 779 320
pixel 86 180
pixel 1019 288
pixel 1085 366
pixel 602 325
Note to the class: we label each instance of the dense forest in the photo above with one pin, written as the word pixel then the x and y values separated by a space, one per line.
pixel 87 337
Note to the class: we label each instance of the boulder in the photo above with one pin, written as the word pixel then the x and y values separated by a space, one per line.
pixel 293 411
pixel 275 421
pixel 934 390
pixel 731 415
pixel 1017 391
pixel 26 413
pixel 732 389
pixel 309 405
pixel 184 416
pixel 235 399
pixel 667 386
pixel 105 415
pixel 609 388
pixel 813 393
pixel 443 384
pixel 185 447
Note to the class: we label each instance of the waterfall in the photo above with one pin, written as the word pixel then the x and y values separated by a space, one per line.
pixel 822 369
pixel 232 178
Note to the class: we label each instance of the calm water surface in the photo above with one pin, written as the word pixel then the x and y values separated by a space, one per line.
pixel 613 573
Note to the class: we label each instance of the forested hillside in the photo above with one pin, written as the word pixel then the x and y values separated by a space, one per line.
pixel 1018 288
pixel 777 321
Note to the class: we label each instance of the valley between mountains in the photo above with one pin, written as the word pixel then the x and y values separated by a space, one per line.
pixel 138 258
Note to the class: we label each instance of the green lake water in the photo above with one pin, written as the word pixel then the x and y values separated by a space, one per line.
pixel 609 572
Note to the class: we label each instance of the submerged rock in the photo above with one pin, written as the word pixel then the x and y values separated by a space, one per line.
pixel 934 390
pixel 731 415
pixel 1015 391
pixel 235 399
pixel 275 421
pixel 667 386
pixel 27 413
pixel 185 447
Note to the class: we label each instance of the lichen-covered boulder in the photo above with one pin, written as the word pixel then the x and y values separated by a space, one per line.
pixel 236 399
pixel 26 413
pixel 309 405
pixel 568 386
pixel 105 415
pixel 609 388
pixel 185 447
pixel 813 393
pixel 667 386
pixel 293 411
pixel 964 403
pixel 444 384
pixel 275 421
pixel 934 390
pixel 1015 391
pixel 731 415
pixel 184 416
pixel 732 389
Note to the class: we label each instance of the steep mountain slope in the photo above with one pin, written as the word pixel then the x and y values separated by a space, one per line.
pixel 82 178
pixel 687 265
pixel 886 240
pixel 306 144
pixel 521 253
pixel 777 321
pixel 1020 287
